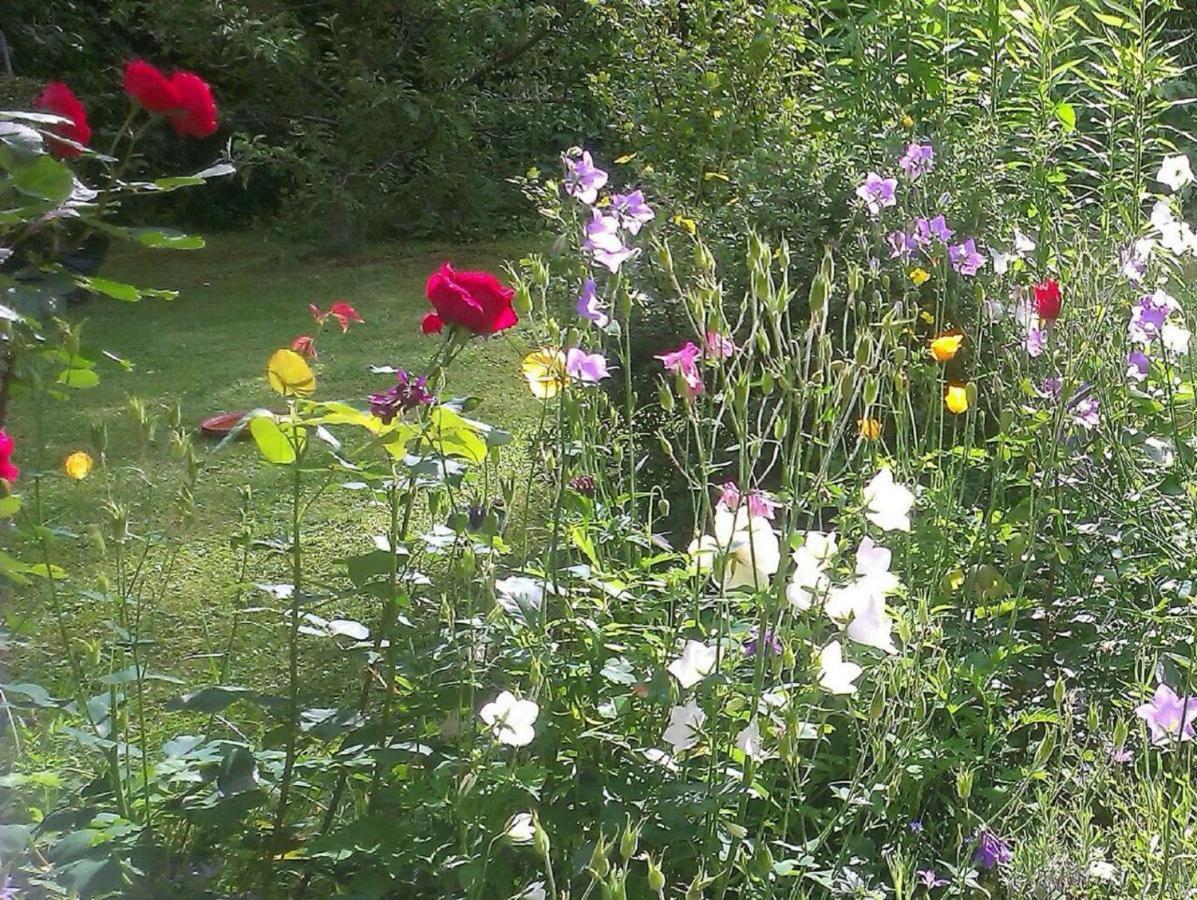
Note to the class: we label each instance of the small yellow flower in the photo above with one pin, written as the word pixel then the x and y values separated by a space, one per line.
pixel 78 465
pixel 870 429
pixel 956 399
pixel 688 224
pixel 545 371
pixel 919 276
pixel 907 121
pixel 290 374
pixel 946 346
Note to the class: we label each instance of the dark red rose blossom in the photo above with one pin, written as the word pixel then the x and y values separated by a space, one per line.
pixel 472 300
pixel 1048 299
pixel 60 100
pixel 147 85
pixel 194 114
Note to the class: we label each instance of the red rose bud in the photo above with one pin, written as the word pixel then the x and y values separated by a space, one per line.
pixel 475 301
pixel 431 324
pixel 59 100
pixel 147 85
pixel 1048 299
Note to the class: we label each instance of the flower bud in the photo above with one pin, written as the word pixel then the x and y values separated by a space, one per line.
pixel 628 841
pixel 99 435
pixel 540 840
pixel 665 395
pixel 663 507
pixel 598 859
pixel 656 878
pixel 964 783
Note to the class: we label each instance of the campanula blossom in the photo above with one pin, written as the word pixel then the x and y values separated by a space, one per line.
pixel 590 307
pixel 965 258
pixel 770 644
pixel 991 850
pixel 1148 316
pixel 683 362
pixel 1036 341
pixel 1086 412
pixel 588 368
pixel 877 192
pixel 511 720
pixel 1168 715
pixel 632 211
pixel 583 179
pixel 1138 365
pixel 1052 387
pixel 888 503
pixel 835 675
pixel 1175 172
pixel 918 160
pixel 901 245
pixel 604 242
pixel 1135 259
pixel 927 230
pixel 696 663
pixel 928 879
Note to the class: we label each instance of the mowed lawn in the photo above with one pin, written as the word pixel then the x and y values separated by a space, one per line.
pixel 240 298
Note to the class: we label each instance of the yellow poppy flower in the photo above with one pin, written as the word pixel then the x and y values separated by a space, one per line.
pixel 545 371
pixel 956 399
pixel 78 465
pixel 289 374
pixel 907 121
pixel 870 429
pixel 946 346
pixel 919 276
pixel 689 224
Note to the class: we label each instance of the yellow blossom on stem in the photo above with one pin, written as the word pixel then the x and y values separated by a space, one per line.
pixel 919 276
pixel 870 429
pixel 290 374
pixel 545 371
pixel 78 465
pixel 946 346
pixel 956 398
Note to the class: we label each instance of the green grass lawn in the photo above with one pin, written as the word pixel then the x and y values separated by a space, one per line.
pixel 240 298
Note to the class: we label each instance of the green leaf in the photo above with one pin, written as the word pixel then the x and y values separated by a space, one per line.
pixel 450 435
pixel 79 378
pixel 210 699
pixel 165 239
pixel 1066 116
pixel 117 290
pixel 273 443
pixel 45 178
pixel 9 506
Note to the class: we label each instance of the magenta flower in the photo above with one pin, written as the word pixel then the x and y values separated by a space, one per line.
pixel 759 503
pixel 1169 716
pixel 408 392
pixel 604 242
pixel 683 362
pixel 1138 365
pixel 991 850
pixel 583 179
pixel 902 245
pixel 718 346
pixel 918 160
pixel 590 307
pixel 632 211
pixel 1149 315
pixel 588 368
pixel 965 258
pixel 877 192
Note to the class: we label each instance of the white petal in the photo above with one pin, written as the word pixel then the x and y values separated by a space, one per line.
pixel 695 663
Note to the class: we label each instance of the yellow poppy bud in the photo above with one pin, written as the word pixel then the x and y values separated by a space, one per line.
pixel 919 276
pixel 907 121
pixel 544 370
pixel 946 346
pixel 870 429
pixel 956 399
pixel 290 374
pixel 78 465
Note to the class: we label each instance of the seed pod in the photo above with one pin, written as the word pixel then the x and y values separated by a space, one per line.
pixel 656 878
pixel 628 841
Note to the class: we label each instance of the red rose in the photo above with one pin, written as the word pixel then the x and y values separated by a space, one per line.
pixel 8 471
pixel 194 114
pixel 472 300
pixel 1048 299
pixel 148 86
pixel 60 100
